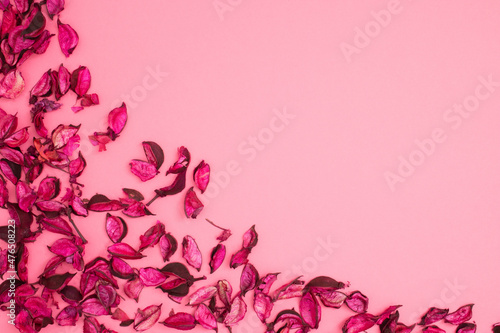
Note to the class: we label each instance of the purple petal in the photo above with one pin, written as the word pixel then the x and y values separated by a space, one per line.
pixel 359 323
pixel 249 278
pixel 168 246
pixel 191 253
pixel 116 228
pixel 184 157
pixel 80 80
pixel 121 269
pixel 144 170
pixel 224 291
pixel 54 7
pixel 154 153
pixel 202 295
pixel 265 284
pixel 151 277
pixel 239 258
pixel 152 236
pixel 49 188
pixel 205 317
pixel 217 257
pixel 64 247
pixel 357 302
pixel 125 251
pixel 106 295
pixel 117 118
pixel 433 329
pixel 237 311
pixel 68 39
pixel 433 315
pixel 67 317
pixel 92 306
pixel 44 86
pixel 147 317
pixel 466 328
pixel 250 238
pixel 310 310
pixel 192 205
pixel 463 314
pixel 133 288
pixel 262 305
pixel 26 196
pixel 201 176
pixel 180 321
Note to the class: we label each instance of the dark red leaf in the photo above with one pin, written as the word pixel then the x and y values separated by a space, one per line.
pixel 56 282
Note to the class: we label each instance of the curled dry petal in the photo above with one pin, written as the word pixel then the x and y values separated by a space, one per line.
pixel 56 282
pixel 106 294
pixel 44 85
pixel 151 277
pixel 117 118
pixel 68 38
pixel 205 317
pixel 265 284
pixel 191 253
pixel 120 315
pixel 201 176
pixel 332 299
pixel 64 247
pixel 154 153
pixel 92 306
pixel 76 167
pixel 136 209
pixel 402 328
pixel 239 258
pixel 357 302
pixel 249 278
pixel 125 251
pixel 121 269
pixel 133 288
pixel 192 205
pixel 460 316
pixel 433 329
pixel 62 134
pixel 310 310
pixel 250 238
pixel 168 246
pixel 466 328
pixel 116 228
pixel 177 186
pixel 217 257
pixel 183 160
pixel 144 170
pixel 147 317
pixel 91 325
pixel 101 203
pixel 237 311
pixel 202 295
pixel 224 291
pixel 323 284
pixel 49 188
pixel 152 236
pixel 80 80
pixel 262 305
pixel 54 7
pixel 63 81
pixel 433 315
pixel 359 323
pixel 181 321
pixel 4 192
pixel 294 288
pixel 68 316
pixel 26 196
pixel 12 84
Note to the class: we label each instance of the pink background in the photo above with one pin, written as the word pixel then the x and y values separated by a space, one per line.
pixel 320 177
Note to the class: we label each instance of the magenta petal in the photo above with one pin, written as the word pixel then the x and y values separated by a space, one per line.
pixel 433 329
pixel 116 228
pixel 147 317
pixel 49 188
pixel 202 295
pixel 44 86
pixel 80 80
pixel 18 138
pixel 322 284
pixel 183 160
pixel 262 305
pixel 11 171
pixel 249 278
pixel 91 325
pixel 433 315
pixel 125 251
pixel 460 316
pixel 67 317
pixel 117 118
pixel 68 39
pixel 12 155
pixel 332 299
pixel 106 294
pixel 205 317
pixel 133 288
pixel 180 321
pixel 217 257
pixel 265 284
pixel 50 206
pixel 63 81
pixel 54 7
pixel 294 288
pixel 137 209
pixel 192 205
pixel 191 253
pixel 224 291
pixel 357 302
pixel 239 258
pixel 12 84
pixel 26 196
pixel 64 247
pixel 237 311
pixel 310 310
pixel 62 134
pixel 466 328
pixel 359 323
pixel 402 328
pixel 154 153
pixel 168 246
pixel 177 186
pixel 92 306
pixel 4 192
pixel 250 238
pixel 77 166
pixel 201 176
pixel 144 170
pixel 151 277
pixel 121 269
pixel 101 203
pixel 152 236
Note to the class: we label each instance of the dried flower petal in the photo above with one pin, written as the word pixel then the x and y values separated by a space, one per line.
pixel 402 328
pixel 64 247
pixel 133 288
pixel 262 305
pixel 147 317
pixel 80 80
pixel 249 278
pixel 205 317
pixel 91 325
pixel 201 176
pixel 433 315
pixel 294 288
pixel 151 277
pixel 237 311
pixel 433 329
pixel 12 84
pixel 180 321
pixel 56 282
pixel 68 316
pixel 310 310
pixel 168 246
pixel 191 253
pixel 117 118
pixel 460 316
pixel 265 284
pixel 144 170
pixel 26 196
pixel 202 295
pixel 136 209
pixel 217 257
pixel 152 236
pixel 357 302
pixel 101 203
pixel 54 7
pixel 121 269
pixel 323 284
pixel 332 299
pixel 92 306
pixel 183 160
pixel 116 228
pixel 466 328
pixel 49 188
pixel 192 205
pixel 125 251
pixel 63 81
pixel 239 258
pixel 44 85
pixel 154 153
pixel 250 238
pixel 177 186
pixel 224 291
pixel 359 323
pixel 68 39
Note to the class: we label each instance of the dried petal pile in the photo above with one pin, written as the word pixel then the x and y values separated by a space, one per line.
pixel 55 203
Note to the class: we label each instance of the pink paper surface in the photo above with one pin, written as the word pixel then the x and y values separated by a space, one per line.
pixel 360 138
